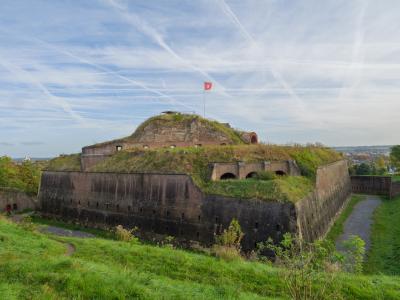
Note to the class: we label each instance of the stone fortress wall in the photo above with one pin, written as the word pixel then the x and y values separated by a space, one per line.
pixel 171 204
pixel 375 185
pixel 317 212
pixel 16 200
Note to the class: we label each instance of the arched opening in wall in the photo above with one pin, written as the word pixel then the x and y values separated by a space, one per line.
pixel 254 139
pixel 251 175
pixel 223 144
pixel 280 173
pixel 172 146
pixel 118 148
pixel 15 206
pixel 226 176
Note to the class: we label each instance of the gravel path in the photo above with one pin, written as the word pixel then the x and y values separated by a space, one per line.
pixel 360 221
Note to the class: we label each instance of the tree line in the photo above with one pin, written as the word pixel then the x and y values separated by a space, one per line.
pixel 24 176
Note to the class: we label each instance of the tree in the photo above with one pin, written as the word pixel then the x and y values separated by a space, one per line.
pixel 395 156
pixel 363 169
pixel 380 164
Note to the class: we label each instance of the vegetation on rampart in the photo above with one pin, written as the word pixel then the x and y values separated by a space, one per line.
pixel 196 161
pixel 64 162
pixel 24 176
pixel 176 119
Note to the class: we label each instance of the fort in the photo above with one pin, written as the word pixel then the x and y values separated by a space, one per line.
pixel 185 176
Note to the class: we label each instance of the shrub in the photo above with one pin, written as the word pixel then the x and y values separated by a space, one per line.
pixel 232 236
pixel 126 235
pixel 354 254
pixel 228 243
pixel 302 265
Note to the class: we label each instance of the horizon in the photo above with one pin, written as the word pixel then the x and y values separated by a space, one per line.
pixel 73 74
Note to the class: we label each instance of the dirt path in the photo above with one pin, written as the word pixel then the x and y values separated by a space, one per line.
pixel 70 248
pixel 360 221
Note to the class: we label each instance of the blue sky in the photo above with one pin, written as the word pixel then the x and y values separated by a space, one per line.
pixel 73 73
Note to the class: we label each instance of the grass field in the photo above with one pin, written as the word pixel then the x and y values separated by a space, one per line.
pixel 35 266
pixel 396 178
pixel 384 256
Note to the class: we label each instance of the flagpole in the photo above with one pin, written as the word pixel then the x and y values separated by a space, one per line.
pixel 204 103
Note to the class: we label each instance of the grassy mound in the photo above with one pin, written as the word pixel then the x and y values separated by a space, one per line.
pixel 174 120
pixel 35 266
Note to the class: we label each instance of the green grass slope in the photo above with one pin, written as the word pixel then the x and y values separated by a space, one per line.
pixel 384 255
pixel 35 266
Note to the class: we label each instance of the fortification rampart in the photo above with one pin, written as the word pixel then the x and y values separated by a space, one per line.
pixel 16 200
pixel 317 212
pixel 373 185
pixel 171 204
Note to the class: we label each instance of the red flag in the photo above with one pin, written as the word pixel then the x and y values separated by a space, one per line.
pixel 207 85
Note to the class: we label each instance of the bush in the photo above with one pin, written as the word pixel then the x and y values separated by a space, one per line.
pixel 354 254
pixel 126 235
pixel 232 236
pixel 302 265
pixel 228 243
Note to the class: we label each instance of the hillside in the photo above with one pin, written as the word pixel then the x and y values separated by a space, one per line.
pixel 195 162
pixel 36 266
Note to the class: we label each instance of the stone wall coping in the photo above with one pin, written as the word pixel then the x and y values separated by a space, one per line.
pixel 112 172
pixel 332 163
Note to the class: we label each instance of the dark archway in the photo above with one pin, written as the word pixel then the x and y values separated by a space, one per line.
pixel 280 173
pixel 226 176
pixel 251 175
pixel 254 139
